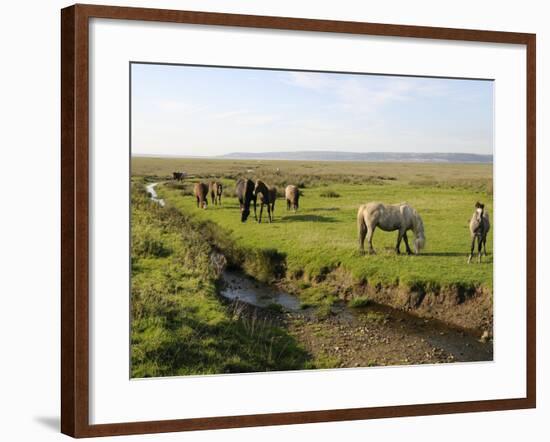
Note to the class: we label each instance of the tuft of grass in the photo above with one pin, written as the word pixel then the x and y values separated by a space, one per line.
pixel 358 302
pixel 324 360
pixel 265 265
pixel 378 317
pixel 277 308
pixel 323 310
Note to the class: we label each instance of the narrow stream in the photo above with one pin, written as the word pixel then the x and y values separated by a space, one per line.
pixel 150 188
pixel 237 286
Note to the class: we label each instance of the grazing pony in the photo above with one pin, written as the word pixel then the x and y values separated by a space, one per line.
pixel 401 217
pixel 215 189
pixel 245 193
pixel 479 227
pixel 267 197
pixel 292 195
pixel 178 176
pixel 201 193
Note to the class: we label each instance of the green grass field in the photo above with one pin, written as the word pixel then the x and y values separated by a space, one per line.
pixel 180 325
pixel 323 234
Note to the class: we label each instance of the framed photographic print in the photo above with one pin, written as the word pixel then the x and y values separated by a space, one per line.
pixel 273 220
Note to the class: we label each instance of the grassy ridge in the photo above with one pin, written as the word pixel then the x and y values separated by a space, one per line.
pixel 179 324
pixel 323 234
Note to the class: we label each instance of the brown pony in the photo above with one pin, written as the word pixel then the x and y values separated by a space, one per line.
pixel 201 194
pixel 292 195
pixel 267 197
pixel 215 189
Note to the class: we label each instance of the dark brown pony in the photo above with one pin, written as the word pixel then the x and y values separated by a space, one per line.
pixel 201 194
pixel 267 197
pixel 178 176
pixel 245 193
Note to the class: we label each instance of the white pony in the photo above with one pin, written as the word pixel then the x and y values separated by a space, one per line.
pixel 389 218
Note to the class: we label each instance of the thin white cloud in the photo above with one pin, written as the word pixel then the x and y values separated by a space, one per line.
pixel 307 80
pixel 245 117
pixel 361 96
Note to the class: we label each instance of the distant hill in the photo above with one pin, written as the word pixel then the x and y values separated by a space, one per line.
pixel 363 156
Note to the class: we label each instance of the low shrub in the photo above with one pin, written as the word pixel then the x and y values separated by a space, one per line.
pixel 329 193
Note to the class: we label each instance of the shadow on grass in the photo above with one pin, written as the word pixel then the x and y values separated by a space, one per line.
pixel 464 254
pixel 324 209
pixel 308 218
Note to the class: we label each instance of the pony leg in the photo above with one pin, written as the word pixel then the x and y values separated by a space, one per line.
pixel 255 217
pixel 485 246
pixel 269 217
pixel 472 249
pixel 398 245
pixel 370 233
pixel 261 211
pixel 409 251
pixel 198 202
pixel 362 232
pixel 287 204
pixel 479 246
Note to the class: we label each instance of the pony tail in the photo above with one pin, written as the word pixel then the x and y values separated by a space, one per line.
pixel 361 228
pixel 361 224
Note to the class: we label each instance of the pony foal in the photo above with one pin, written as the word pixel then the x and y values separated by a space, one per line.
pixel 479 227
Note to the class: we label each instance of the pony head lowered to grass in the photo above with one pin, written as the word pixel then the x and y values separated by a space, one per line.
pixel 418 230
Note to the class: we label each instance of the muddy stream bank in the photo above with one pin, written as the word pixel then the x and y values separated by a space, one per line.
pixel 358 337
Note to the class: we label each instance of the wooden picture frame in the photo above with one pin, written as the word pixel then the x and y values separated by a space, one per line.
pixel 75 219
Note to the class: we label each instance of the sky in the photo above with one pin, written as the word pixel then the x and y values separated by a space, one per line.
pixel 208 111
